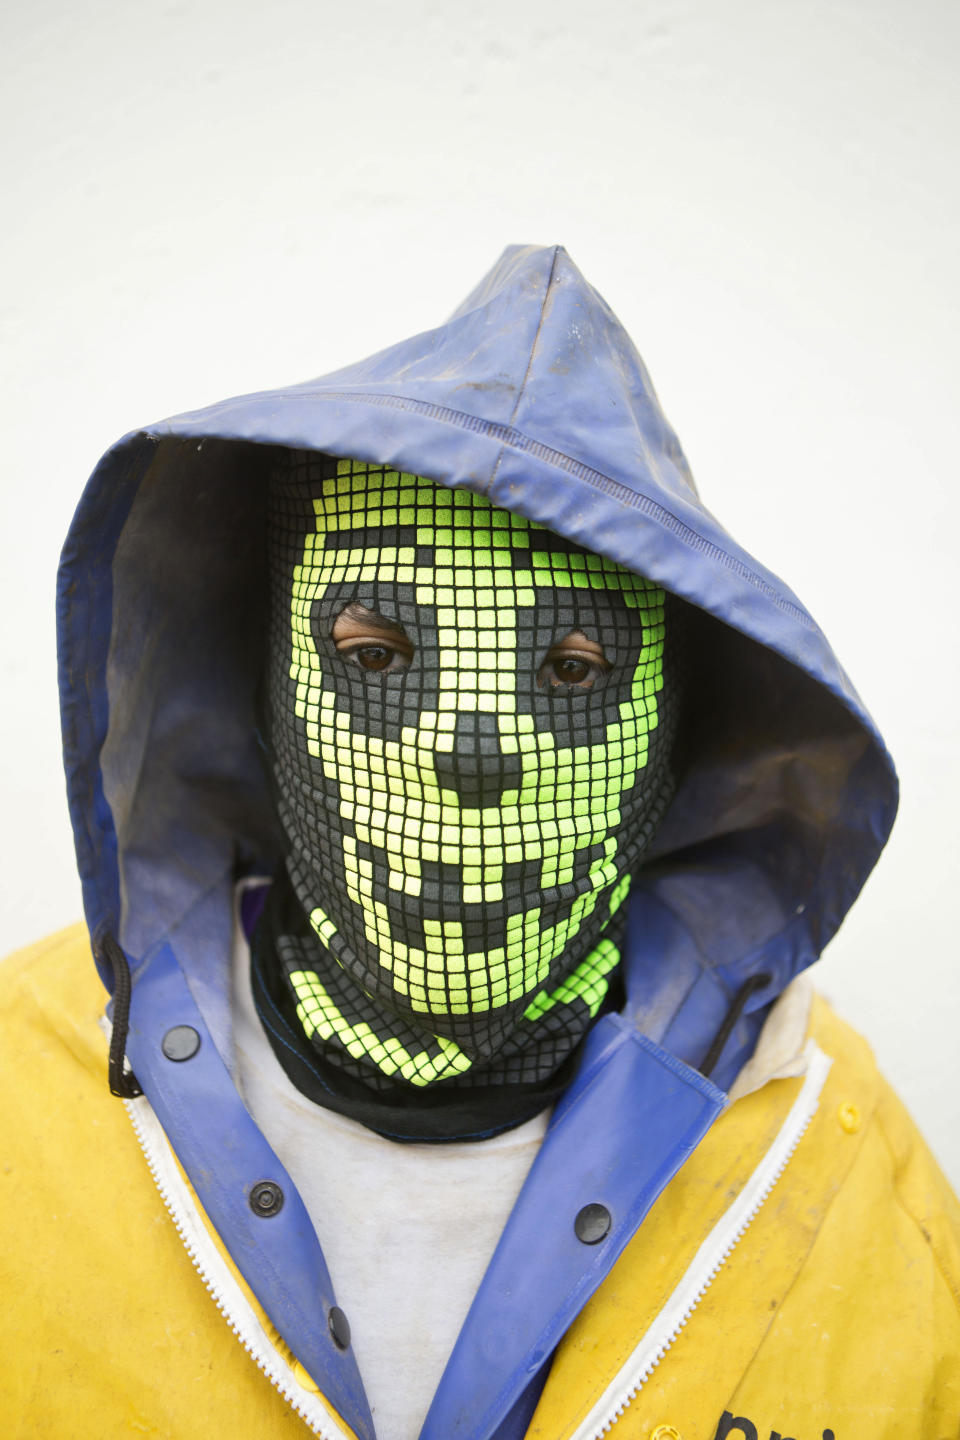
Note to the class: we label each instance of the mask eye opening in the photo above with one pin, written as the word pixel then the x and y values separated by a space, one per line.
pixel 371 641
pixel 573 664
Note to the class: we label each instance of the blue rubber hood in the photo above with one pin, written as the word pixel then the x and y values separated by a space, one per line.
pixel 532 395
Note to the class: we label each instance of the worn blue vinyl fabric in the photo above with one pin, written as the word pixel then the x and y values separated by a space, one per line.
pixel 532 395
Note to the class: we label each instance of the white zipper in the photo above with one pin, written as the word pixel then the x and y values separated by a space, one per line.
pixel 710 1257
pixel 215 1274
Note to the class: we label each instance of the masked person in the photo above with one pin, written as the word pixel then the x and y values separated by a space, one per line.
pixel 457 807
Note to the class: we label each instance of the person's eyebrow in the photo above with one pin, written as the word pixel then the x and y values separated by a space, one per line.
pixel 359 612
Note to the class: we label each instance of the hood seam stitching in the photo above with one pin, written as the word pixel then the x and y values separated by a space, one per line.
pixel 526 374
pixel 514 439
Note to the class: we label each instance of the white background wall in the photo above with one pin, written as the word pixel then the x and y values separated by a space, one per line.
pixel 206 198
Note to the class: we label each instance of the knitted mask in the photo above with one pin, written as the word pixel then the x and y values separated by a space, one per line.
pixel 470 750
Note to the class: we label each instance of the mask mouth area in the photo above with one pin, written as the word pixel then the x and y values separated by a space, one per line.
pixel 441 900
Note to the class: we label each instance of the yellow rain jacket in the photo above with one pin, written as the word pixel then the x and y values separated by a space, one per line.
pixel 730 1228
pixel 799 1277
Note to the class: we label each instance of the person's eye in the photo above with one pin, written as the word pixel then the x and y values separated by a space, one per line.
pixel 375 656
pixel 576 663
pixel 570 671
pixel 371 641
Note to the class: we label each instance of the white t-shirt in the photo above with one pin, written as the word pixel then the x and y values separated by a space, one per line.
pixel 407 1230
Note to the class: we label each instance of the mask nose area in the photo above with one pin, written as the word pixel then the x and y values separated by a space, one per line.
pixel 476 769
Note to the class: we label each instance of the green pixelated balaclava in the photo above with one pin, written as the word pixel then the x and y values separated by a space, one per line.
pixel 462 819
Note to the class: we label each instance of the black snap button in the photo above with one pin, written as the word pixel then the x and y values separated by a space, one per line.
pixel 592 1224
pixel 266 1198
pixel 180 1043
pixel 339 1328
